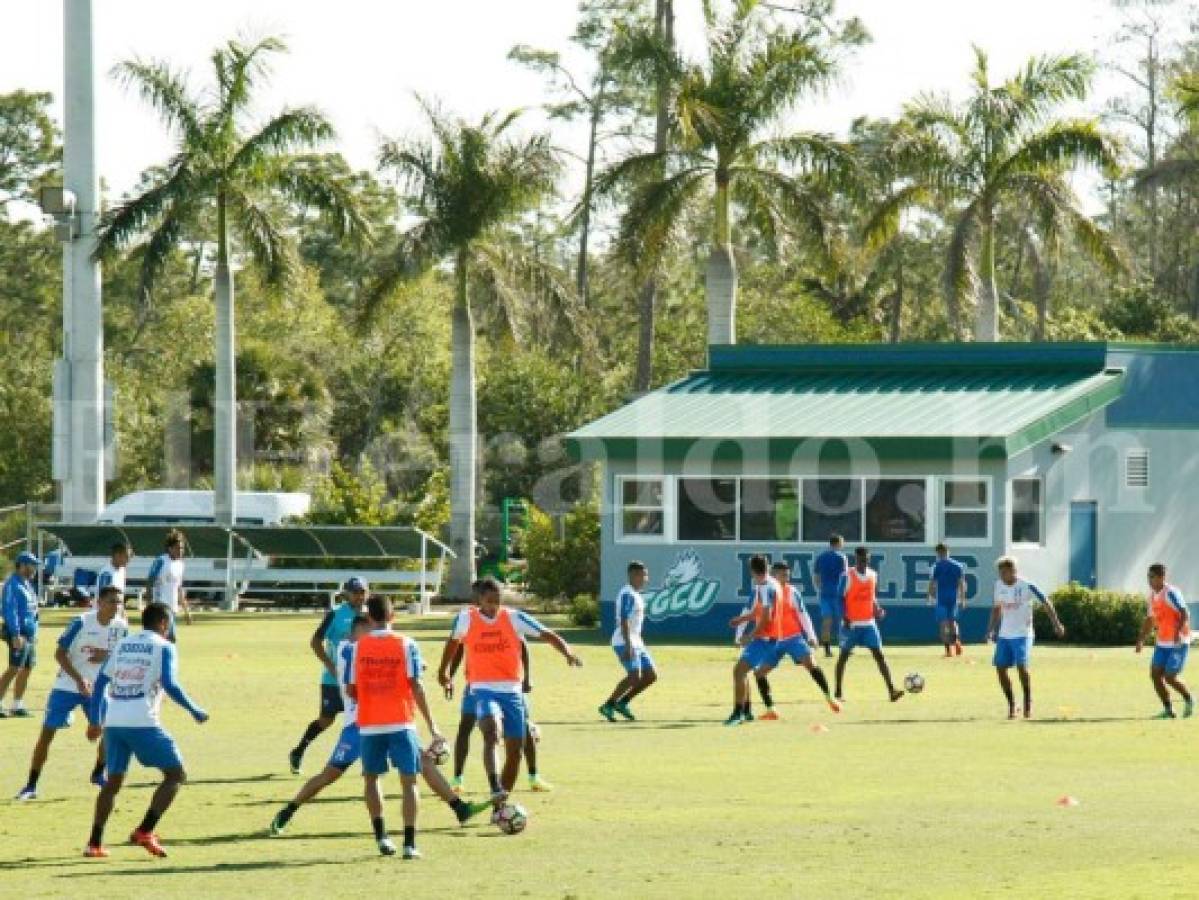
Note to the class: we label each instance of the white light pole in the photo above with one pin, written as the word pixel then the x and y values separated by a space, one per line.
pixel 79 422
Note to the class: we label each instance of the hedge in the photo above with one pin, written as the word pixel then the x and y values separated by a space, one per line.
pixel 1102 618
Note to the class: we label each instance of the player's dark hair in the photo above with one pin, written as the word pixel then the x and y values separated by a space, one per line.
pixel 358 621
pixel 154 615
pixel 1158 570
pixel 109 591
pixel 941 548
pixel 834 539
pixel 118 547
pixel 487 585
pixel 636 565
pixel 174 538
pixel 862 553
pixel 378 608
pixel 757 564
pixel 780 566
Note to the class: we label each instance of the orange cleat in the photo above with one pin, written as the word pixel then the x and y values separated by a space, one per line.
pixel 769 716
pixel 95 851
pixel 148 841
pixel 834 705
pixel 957 647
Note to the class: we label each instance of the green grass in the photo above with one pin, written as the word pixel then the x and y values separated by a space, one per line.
pixel 937 795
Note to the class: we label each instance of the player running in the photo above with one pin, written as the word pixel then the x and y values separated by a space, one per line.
pixel 83 647
pixel 112 573
pixel 384 672
pixel 829 569
pixel 18 607
pixel 1168 614
pixel 1011 628
pixel 862 613
pixel 335 627
pixel 126 704
pixel 629 646
pixel 947 590
pixel 794 636
pixel 165 580
pixel 492 635
pixel 755 641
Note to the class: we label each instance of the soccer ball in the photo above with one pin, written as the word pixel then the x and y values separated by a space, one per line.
pixel 510 818
pixel 535 732
pixel 438 753
pixel 913 683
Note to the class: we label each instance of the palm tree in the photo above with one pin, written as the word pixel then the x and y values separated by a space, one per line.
pixel 1002 150
pixel 755 71
pixel 220 173
pixel 468 184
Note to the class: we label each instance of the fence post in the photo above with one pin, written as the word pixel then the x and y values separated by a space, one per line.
pixel 424 573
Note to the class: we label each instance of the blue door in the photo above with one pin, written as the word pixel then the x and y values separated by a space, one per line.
pixel 1084 540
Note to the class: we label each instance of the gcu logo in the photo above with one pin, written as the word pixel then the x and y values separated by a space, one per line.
pixel 684 591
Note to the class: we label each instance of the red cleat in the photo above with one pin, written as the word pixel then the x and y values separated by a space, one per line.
pixel 957 647
pixel 149 841
pixel 95 851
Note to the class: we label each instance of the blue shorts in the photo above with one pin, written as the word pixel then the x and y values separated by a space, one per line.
pixel 468 702
pixel 26 657
pixel 509 706
pixel 400 748
pixel 348 749
pixel 831 608
pixel 795 647
pixel 331 702
pixel 60 706
pixel 947 612
pixel 641 659
pixel 1012 652
pixel 1170 659
pixel 153 747
pixel 757 652
pixel 861 636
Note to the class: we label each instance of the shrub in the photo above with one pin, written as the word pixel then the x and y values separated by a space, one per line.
pixel 567 565
pixel 584 611
pixel 1104 618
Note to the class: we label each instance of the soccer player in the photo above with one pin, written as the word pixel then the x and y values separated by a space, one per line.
pixel 1168 614
pixel 384 681
pixel 83 647
pixel 862 613
pixel 763 683
pixel 126 702
pixel 629 646
pixel 18 606
pixel 1012 630
pixel 755 641
pixel 829 570
pixel 335 627
pixel 947 589
pixel 165 581
pixel 492 635
pixel 112 573
pixel 793 634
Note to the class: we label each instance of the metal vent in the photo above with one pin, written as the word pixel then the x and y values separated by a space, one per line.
pixel 1136 469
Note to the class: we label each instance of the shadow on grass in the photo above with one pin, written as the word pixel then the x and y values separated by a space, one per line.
pixel 56 862
pixel 317 801
pixel 148 871
pixel 246 779
pixel 977 720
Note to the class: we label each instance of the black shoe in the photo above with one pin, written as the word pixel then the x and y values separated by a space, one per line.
pixel 295 758
pixel 21 713
pixel 3 714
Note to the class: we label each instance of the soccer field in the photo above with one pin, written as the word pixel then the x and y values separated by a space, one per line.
pixel 937 795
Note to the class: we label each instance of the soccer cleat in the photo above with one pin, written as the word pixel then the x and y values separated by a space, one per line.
pixel 770 716
pixel 3 714
pixel 20 713
pixel 295 758
pixel 95 851
pixel 1189 709
pixel 957 648
pixel 279 823
pixel 456 784
pixel 833 704
pixel 468 811
pixel 412 853
pixel 98 779
pixel 539 784
pixel 1028 711
pixel 1011 711
pixel 735 719
pixel 608 711
pixel 1165 714
pixel 148 841
pixel 747 716
pixel 895 695
pixel 497 799
pixel 622 709
pixel 29 792
pixel 387 846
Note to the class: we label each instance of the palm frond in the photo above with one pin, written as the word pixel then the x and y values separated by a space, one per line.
pixel 788 205
pixel 1058 212
pixel 414 253
pixel 309 184
pixel 1045 82
pixel 263 235
pixel 238 67
pixel 124 224
pixel 1061 146
pixel 642 168
pixel 167 92
pixel 290 131
pixel 1168 173
pixel 654 214
pixel 884 220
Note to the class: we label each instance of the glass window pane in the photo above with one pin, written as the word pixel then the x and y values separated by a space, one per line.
pixel 769 509
pixel 832 506
pixel 895 510
pixel 707 509
pixel 646 523
pixel 965 494
pixel 642 492
pixel 966 525
pixel 1026 511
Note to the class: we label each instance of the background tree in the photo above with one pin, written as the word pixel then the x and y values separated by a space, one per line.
pixel 28 144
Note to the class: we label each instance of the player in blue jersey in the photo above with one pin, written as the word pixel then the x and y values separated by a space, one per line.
pixel 83 648
pixel 125 708
pixel 629 646
pixel 18 607
pixel 947 592
pixel 829 570
pixel 335 627
pixel 756 643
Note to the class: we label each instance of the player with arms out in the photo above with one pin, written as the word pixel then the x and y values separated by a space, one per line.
pixel 862 613
pixel 126 704
pixel 753 637
pixel 629 646
pixel 83 647
pixel 1169 616
pixel 493 635
pixel 1011 628
pixel 18 608
pixel 947 590
pixel 335 627
pixel 165 580
pixel 829 569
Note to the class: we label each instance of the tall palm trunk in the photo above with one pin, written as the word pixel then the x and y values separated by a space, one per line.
pixel 987 327
pixel 463 437
pixel 582 283
pixel 896 324
pixel 721 275
pixel 224 438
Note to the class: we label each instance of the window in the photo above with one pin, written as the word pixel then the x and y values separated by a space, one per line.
pixel 769 509
pixel 965 511
pixel 642 508
pixel 707 509
pixel 832 506
pixel 1027 511
pixel 1136 469
pixel 896 510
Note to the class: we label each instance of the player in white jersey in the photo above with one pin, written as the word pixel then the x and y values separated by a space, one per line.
pixel 756 647
pixel 165 581
pixel 1012 630
pixel 629 646
pixel 83 648
pixel 348 749
pixel 125 705
pixel 112 573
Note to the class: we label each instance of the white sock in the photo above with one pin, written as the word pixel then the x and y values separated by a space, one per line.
pixel 18 704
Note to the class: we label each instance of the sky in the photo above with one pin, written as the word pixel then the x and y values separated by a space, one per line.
pixel 362 61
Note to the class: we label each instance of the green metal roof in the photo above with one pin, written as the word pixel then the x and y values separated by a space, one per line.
pixel 905 401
